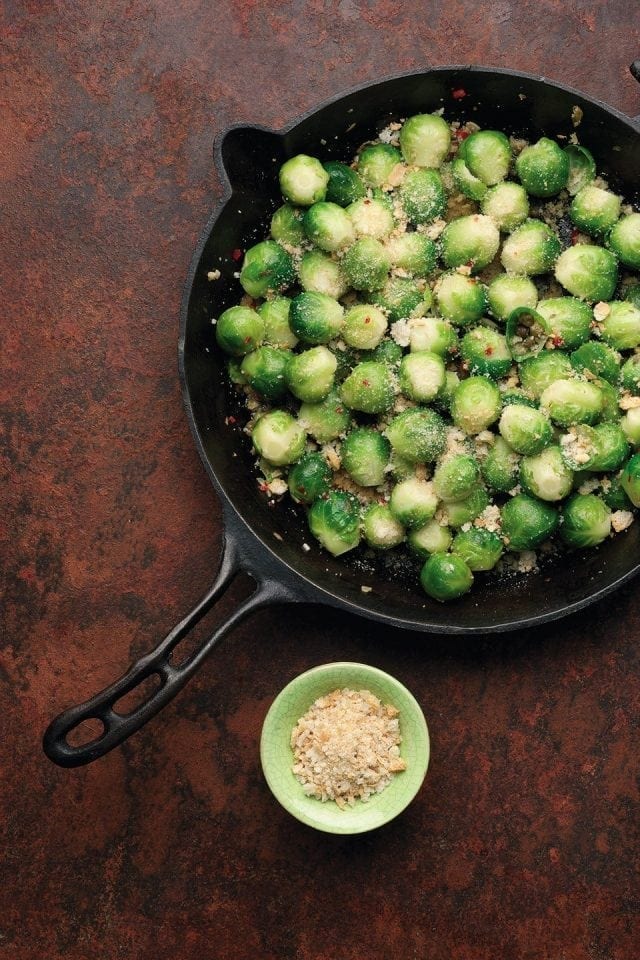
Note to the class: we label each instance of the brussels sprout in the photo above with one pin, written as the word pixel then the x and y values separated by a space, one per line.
pixel 624 240
pixel 445 398
pixel 527 333
pixel 425 140
pixel 630 479
pixel 621 326
pixel 630 426
pixel 266 266
pixel 446 576
pixel 264 370
pixel 388 351
pixel 326 420
pixel 630 373
pixel 347 358
pixel 526 522
pixel 318 273
pixel 328 226
pixel 507 205
pixel 586 521
pixel 368 388
pixel 537 373
pixel 309 478
pixel 303 180
pixel 568 319
pixel 455 477
pixel 239 330
pixel 500 467
pixel 486 352
pixel 594 210
pixel 612 448
pixel 546 475
pixel 310 374
pixel 515 396
pixel 417 435
pixel 371 218
pixel 315 317
pixel 413 502
pixel 487 154
pixel 366 264
pixel 364 326
pixel 572 401
pixel 507 292
pixel 365 455
pixel 632 294
pixel 345 185
pixel 335 522
pixel 234 370
pixel 582 167
pixel 433 334
pixel 428 539
pixel 402 298
pixel 475 405
pixel 412 252
pixel 376 162
pixel 286 226
pixel 610 402
pixel 479 548
pixel 613 494
pixel 599 359
pixel 460 299
pixel 459 512
pixel 275 316
pixel 380 529
pixel 526 430
pixel 422 196
pixel 532 248
pixel 465 182
pixel 422 375
pixel 543 168
pixel 588 272
pixel 472 240
pixel 279 438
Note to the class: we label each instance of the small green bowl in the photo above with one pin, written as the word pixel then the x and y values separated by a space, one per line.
pixel 277 756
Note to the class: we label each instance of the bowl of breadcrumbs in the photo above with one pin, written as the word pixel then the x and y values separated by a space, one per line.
pixel 344 747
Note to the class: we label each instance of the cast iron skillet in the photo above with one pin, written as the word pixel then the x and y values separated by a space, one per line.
pixel 267 541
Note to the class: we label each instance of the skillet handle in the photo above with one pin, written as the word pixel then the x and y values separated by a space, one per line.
pixel 169 678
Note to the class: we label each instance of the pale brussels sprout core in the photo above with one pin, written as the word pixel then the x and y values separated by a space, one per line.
pixel 472 240
pixel 279 438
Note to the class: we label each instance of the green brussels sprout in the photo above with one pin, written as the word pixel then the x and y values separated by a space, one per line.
pixel 381 530
pixel 368 388
pixel 422 196
pixel 613 494
pixel 582 167
pixel 630 373
pixel 543 168
pixel 506 292
pixel 425 140
pixel 594 210
pixel 460 299
pixel 538 373
pixel 376 162
pixel 514 396
pixel 364 326
pixel 599 359
pixel 318 273
pixel 309 478
pixel 266 266
pixel 239 330
pixel 475 405
pixel 303 180
pixel 412 252
pixel 286 226
pixel 402 298
pixel 315 317
pixel 460 512
pixel 572 401
pixel 500 467
pixel 345 185
pixel 388 351
pixel 479 548
pixel 632 294
pixel 445 398
pixel 531 249
pixel 546 475
pixel 417 435
pixel 234 369
pixel 455 477
pixel 527 522
pixel 422 375
pixel 433 334
pixel 487 154
pixel 568 320
pixel 588 272
pixel 264 370
pixel 428 539
pixel 371 218
pixel 310 375
pixel 630 479
pixel 326 420
pixel 472 240
pixel 365 455
pixel 586 521
pixel 413 502
pixel 279 438
pixel 624 240
pixel 507 205
pixel 328 226
pixel 486 352
pixel 621 326
pixel 527 333
pixel 465 182
pixel 446 576
pixel 275 316
pixel 630 426
pixel 335 521
pixel 612 448
pixel 366 264
pixel 525 429
pixel 610 401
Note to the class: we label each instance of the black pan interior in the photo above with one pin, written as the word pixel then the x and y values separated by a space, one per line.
pixel 515 103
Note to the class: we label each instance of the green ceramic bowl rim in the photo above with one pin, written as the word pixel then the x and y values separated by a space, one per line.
pixel 274 744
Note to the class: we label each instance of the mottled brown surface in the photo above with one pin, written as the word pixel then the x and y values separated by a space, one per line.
pixel 525 842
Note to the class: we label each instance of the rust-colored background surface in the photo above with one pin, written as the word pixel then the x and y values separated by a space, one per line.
pixel 525 841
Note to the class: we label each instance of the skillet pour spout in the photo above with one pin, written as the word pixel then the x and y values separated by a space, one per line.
pixel 268 543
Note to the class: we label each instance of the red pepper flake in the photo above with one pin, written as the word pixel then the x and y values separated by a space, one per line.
pixel 339 409
pixel 367 202
pixel 459 93
pixel 365 383
pixel 236 254
pixel 557 340
pixel 247 339
pixel 461 134
pixel 263 487
pixel 231 420
pixel 488 351
pixel 367 319
pixel 574 236
pixel 301 488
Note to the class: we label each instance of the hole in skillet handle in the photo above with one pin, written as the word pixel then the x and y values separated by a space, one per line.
pixel 250 158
